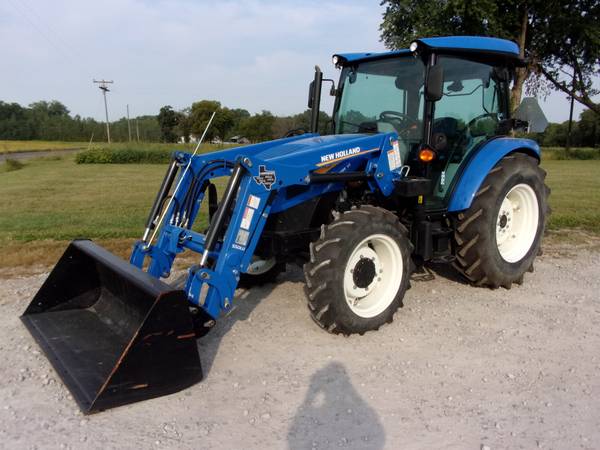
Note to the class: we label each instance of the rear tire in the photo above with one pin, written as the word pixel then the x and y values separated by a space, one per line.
pixel 358 271
pixel 499 236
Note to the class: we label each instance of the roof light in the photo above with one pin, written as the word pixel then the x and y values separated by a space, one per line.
pixel 413 46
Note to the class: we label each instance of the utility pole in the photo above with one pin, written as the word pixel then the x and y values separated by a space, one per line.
pixel 571 114
pixel 128 124
pixel 137 129
pixel 104 88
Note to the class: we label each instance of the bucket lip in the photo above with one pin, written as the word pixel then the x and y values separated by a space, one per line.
pixel 124 268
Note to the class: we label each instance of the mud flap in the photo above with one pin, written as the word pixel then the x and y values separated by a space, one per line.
pixel 114 334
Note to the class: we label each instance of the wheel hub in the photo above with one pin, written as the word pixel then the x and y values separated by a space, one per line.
pixel 503 221
pixel 364 272
pixel 373 275
pixel 517 223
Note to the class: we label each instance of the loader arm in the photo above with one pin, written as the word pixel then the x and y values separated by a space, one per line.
pixel 259 176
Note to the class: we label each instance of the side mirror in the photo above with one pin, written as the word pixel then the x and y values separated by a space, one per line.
pixel 311 92
pixel 434 88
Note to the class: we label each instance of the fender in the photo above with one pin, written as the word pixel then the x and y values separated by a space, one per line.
pixel 480 164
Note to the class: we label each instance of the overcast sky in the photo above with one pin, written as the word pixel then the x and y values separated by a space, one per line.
pixel 246 54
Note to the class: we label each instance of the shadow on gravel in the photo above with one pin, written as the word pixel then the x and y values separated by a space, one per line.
pixel 431 271
pixel 244 303
pixel 333 414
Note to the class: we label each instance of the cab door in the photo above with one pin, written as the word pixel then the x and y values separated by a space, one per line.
pixel 473 104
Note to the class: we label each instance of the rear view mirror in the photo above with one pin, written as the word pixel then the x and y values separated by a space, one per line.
pixel 311 91
pixel 434 87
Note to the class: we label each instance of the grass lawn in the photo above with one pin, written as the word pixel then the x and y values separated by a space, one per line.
pixel 49 202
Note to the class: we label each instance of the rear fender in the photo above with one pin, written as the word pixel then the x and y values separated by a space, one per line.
pixel 480 165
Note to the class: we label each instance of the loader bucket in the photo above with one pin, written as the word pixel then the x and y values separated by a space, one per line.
pixel 114 334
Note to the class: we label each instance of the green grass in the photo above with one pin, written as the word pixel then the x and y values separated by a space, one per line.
pixel 10 165
pixel 575 197
pixel 49 202
pixel 39 146
pixel 561 153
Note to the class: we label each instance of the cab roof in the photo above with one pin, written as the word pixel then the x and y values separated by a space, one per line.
pixel 488 47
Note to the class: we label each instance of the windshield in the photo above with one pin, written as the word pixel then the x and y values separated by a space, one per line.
pixel 382 96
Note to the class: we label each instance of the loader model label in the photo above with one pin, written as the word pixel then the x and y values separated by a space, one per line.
pixel 331 157
pixel 265 177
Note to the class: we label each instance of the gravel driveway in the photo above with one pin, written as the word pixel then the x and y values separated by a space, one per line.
pixel 460 368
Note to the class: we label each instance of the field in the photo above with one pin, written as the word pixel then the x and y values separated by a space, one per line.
pixel 53 200
pixel 37 146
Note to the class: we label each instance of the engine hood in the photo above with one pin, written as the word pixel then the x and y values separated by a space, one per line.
pixel 320 150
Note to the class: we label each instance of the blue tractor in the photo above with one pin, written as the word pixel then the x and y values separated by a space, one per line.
pixel 419 167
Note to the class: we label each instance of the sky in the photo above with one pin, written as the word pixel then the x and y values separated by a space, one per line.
pixel 257 55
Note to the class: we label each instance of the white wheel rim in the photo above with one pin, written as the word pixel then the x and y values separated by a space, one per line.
pixel 259 266
pixel 517 223
pixel 386 260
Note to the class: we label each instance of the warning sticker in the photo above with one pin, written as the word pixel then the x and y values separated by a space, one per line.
pixel 393 155
pixel 242 237
pixel 247 218
pixel 254 201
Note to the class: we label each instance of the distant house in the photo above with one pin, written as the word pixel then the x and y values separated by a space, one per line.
pixel 239 140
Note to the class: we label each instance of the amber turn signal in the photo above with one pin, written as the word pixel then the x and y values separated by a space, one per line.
pixel 426 155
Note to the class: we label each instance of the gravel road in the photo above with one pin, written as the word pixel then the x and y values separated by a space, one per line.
pixel 459 368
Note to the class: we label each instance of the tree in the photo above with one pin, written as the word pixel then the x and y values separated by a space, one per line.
pixel 565 48
pixel 168 120
pixel 550 33
pixel 184 127
pixel 588 128
pixel 222 124
pixel 258 127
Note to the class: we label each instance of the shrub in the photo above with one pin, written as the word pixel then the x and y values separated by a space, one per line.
pixel 104 155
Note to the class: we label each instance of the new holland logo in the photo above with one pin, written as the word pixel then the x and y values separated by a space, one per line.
pixel 265 177
pixel 340 155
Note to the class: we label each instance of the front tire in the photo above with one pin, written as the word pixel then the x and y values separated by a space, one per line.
pixel 499 236
pixel 359 271
pixel 261 272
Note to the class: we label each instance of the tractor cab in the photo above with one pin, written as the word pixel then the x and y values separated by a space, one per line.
pixel 447 95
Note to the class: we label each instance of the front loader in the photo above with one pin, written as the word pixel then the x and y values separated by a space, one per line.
pixel 419 167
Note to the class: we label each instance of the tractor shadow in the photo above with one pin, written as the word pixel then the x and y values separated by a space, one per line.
pixel 431 271
pixel 245 301
pixel 334 414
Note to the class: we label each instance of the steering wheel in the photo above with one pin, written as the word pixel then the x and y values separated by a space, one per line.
pixel 404 121
pixel 474 120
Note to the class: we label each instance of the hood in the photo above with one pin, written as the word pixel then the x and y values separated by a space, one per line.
pixel 318 147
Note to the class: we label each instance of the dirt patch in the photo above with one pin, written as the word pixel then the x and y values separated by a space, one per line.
pixel 460 367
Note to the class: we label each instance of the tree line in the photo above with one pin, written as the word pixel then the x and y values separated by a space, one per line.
pixel 584 133
pixel 229 123
pixel 52 121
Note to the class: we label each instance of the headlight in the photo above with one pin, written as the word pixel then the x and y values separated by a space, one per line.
pixel 413 46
